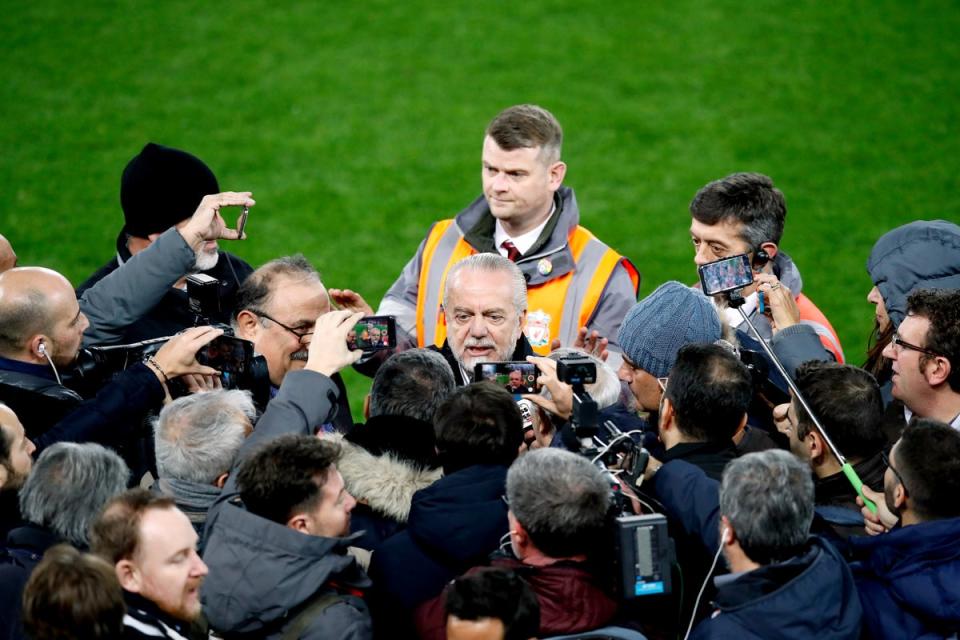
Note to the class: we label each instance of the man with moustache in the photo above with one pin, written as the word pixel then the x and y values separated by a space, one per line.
pixel 153 549
pixel 160 188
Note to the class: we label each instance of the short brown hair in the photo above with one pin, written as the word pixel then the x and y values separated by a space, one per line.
pixel 116 533
pixel 72 595
pixel 527 126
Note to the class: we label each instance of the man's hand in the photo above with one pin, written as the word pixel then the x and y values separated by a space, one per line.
pixel 560 402
pixel 350 300
pixel 328 351
pixel 179 355
pixel 207 224
pixel 781 306
pixel 590 341
pixel 883 520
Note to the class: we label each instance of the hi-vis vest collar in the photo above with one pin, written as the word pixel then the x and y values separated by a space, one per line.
pixel 557 308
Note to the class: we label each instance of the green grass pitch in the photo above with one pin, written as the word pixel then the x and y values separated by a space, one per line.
pixel 357 124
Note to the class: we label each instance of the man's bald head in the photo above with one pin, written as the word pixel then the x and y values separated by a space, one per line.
pixel 38 305
pixel 8 258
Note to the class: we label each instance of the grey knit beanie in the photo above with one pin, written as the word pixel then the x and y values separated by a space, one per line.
pixel 672 316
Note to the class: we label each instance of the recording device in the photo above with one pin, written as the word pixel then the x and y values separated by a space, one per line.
pixel 227 354
pixel 203 293
pixel 577 371
pixel 726 274
pixel 643 556
pixel 373 333
pixel 517 377
pixel 242 221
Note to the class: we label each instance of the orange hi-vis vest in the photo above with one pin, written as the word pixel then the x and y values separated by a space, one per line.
pixel 557 308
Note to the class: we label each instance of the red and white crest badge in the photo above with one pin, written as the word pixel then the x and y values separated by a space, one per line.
pixel 538 328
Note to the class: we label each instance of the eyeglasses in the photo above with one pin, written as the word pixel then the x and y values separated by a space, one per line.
pixel 901 344
pixel 663 383
pixel 301 334
pixel 886 461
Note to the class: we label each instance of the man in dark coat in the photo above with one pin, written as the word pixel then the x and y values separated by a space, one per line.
pixel 160 188
pixel 459 520
pixel 782 582
pixel 908 577
pixel 558 505
pixel 847 402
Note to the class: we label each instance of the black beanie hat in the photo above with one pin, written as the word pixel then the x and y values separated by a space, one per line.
pixel 162 186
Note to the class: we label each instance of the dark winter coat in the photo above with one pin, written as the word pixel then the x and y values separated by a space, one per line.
pixel 909 581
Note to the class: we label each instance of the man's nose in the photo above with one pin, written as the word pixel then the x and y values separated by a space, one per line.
pixel 701 257
pixel 478 326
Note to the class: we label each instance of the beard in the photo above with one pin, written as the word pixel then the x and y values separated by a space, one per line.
pixel 501 353
pixel 206 259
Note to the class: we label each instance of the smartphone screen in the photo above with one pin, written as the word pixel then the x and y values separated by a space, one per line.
pixel 373 333
pixel 515 377
pixel 725 274
pixel 227 354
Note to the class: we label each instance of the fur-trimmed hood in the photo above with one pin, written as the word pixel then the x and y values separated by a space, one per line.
pixel 386 483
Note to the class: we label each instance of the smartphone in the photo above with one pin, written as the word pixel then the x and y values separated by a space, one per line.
pixel 725 274
pixel 242 221
pixel 373 333
pixel 227 354
pixel 515 377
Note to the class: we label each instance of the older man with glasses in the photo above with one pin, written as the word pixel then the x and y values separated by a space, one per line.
pixel 925 352
pixel 277 307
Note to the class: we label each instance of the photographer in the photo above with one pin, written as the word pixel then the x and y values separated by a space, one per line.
pixel 41 325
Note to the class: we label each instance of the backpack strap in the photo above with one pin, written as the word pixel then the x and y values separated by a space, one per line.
pixel 314 607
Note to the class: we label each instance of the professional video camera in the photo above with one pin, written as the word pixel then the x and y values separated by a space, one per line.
pixel 232 356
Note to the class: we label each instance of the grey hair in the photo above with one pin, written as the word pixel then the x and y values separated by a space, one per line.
pixel 606 390
pixel 489 263
pixel 560 499
pixel 197 437
pixel 411 383
pixel 768 498
pixel 69 485
pixel 257 290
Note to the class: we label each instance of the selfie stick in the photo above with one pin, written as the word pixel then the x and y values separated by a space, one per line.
pixel 736 301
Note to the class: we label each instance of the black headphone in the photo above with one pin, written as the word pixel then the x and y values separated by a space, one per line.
pixel 760 259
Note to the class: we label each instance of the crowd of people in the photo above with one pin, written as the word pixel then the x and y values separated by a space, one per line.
pixel 147 495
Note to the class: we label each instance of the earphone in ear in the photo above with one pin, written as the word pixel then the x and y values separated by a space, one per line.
pixel 725 536
pixel 42 349
pixel 760 258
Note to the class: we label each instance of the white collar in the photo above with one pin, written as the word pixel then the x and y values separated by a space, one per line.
pixel 907 414
pixel 522 242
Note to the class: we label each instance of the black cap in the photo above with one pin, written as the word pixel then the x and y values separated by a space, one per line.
pixel 162 186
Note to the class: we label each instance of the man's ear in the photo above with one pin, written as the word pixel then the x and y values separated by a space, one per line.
pixel 221 480
pixel 128 575
pixel 248 325
pixel 771 249
pixel 556 172
pixel 523 320
pixel 815 445
pixel 938 374
pixel 366 407
pixel 667 414
pixel 37 345
pixel 299 522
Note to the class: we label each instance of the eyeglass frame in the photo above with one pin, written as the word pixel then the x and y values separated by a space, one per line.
pixel 886 461
pixel 299 334
pixel 900 344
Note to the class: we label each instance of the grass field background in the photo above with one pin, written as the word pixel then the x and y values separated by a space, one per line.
pixel 357 124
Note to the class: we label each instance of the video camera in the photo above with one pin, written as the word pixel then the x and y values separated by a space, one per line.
pixel 232 356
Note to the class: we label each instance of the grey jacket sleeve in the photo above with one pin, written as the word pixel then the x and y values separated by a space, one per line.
pixel 130 291
pixel 798 344
pixel 401 299
pixel 617 299
pixel 305 399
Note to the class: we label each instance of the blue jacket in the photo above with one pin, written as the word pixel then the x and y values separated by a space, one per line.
pixel 454 524
pixel 909 580
pixel 812 595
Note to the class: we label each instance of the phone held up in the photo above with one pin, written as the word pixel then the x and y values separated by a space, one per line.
pixel 516 377
pixel 373 333
pixel 726 274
